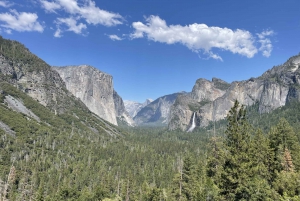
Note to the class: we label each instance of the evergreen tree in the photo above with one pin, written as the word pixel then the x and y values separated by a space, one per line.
pixel 190 178
pixel 234 176
pixel 261 156
pixel 283 137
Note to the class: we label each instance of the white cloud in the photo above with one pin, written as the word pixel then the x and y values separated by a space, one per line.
pixel 198 37
pixel 58 33
pixel 266 44
pixel 114 37
pixel 50 6
pixel 8 31
pixel 83 10
pixel 5 4
pixel 94 15
pixel 21 21
pixel 71 23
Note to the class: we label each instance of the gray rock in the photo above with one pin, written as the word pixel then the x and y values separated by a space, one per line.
pixel 7 129
pixel 18 106
pixel 156 112
pixel 93 87
pixel 39 82
pixel 212 100
pixel 121 112
pixel 133 107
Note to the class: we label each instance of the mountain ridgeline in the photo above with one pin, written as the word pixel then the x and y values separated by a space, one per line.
pixel 208 100
pixel 59 139
pixel 211 100
pixel 156 113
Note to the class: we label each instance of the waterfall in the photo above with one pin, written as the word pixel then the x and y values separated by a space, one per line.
pixel 193 124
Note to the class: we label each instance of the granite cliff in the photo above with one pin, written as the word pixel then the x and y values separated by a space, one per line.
pixel 95 89
pixel 211 100
pixel 157 112
pixel 133 107
pixel 122 114
pixel 38 95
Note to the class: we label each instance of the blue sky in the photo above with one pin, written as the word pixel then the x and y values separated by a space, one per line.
pixel 158 47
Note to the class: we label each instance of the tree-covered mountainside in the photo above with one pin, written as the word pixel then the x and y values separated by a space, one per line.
pixel 56 149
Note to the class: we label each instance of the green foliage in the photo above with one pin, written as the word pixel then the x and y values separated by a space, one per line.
pixel 247 165
pixel 75 155
pixel 18 54
pixel 194 107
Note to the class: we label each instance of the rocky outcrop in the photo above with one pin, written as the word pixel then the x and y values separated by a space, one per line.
pixel 121 112
pixel 156 112
pixel 93 87
pixel 133 107
pixel 20 70
pixel 212 100
pixel 203 93
pixel 30 74
pixel 18 106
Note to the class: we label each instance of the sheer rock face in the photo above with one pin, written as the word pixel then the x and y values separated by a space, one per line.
pixel 39 82
pixel 133 107
pixel 122 114
pixel 203 93
pixel 156 112
pixel 93 87
pixel 211 100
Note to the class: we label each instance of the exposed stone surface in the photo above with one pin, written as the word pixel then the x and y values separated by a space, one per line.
pixel 93 87
pixel 156 112
pixel 30 74
pixel 133 107
pixel 122 114
pixel 7 129
pixel 42 84
pixel 212 100
pixel 18 106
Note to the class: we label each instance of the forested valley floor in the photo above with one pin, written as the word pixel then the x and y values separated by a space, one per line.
pixel 248 156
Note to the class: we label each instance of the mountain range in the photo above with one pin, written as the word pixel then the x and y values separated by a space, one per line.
pixel 56 87
pixel 211 100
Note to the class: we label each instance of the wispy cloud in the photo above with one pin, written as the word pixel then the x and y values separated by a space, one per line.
pixel 114 37
pixel 50 6
pixel 200 37
pixel 71 24
pixel 23 21
pixel 58 33
pixel 85 10
pixel 5 4
pixel 266 44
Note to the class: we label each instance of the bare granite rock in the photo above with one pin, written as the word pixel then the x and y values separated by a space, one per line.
pixel 157 112
pixel 93 87
pixel 133 107
pixel 211 100
pixel 122 114
pixel 7 129
pixel 18 106
pixel 39 82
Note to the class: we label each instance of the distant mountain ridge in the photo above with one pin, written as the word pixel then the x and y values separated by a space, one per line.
pixel 208 101
pixel 211 100
pixel 156 113
pixel 133 107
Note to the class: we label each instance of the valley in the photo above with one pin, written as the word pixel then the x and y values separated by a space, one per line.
pixel 66 134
